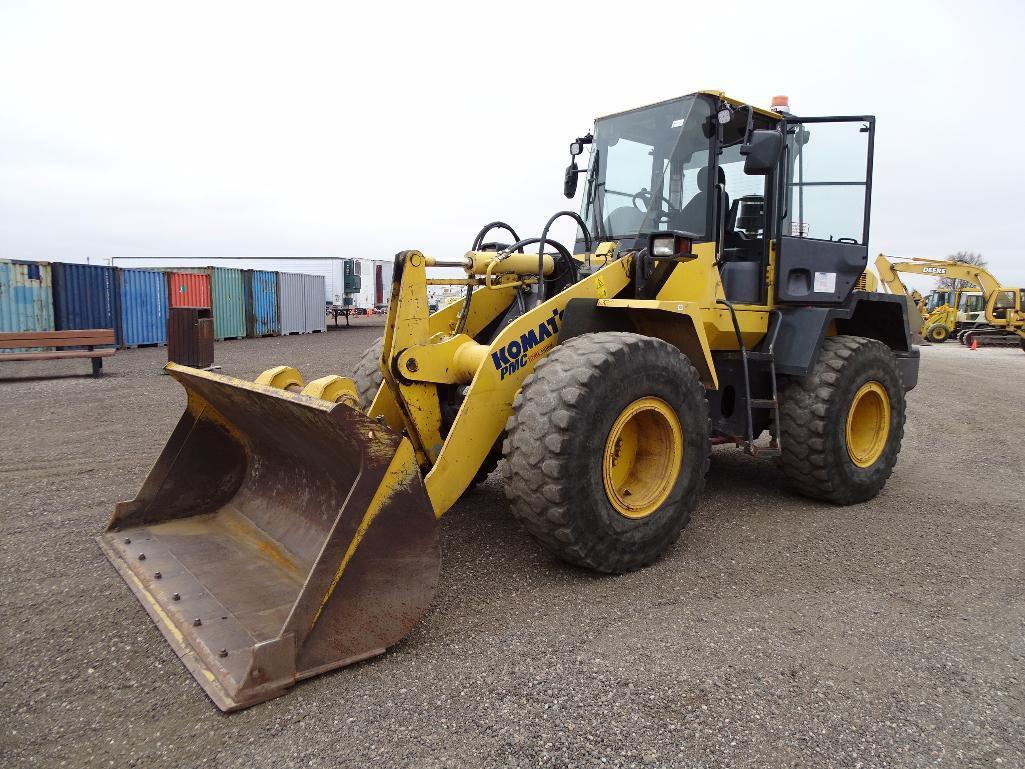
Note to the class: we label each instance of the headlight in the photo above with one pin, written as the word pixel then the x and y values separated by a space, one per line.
pixel 663 246
pixel 670 245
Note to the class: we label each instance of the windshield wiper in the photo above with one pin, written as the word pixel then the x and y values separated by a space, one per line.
pixel 595 197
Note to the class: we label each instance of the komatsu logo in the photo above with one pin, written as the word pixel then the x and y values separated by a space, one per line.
pixel 935 270
pixel 517 353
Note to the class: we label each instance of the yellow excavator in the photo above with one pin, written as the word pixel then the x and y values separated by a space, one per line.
pixel 291 527
pixel 957 311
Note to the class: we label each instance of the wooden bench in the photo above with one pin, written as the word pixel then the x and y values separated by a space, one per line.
pixel 88 338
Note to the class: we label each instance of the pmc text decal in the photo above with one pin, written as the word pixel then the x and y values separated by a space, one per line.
pixel 516 354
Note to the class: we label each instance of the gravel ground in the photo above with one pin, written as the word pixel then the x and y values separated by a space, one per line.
pixel 777 632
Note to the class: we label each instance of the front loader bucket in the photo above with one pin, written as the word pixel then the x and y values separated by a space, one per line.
pixel 276 537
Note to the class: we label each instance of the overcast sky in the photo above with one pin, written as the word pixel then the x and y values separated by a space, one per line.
pixel 360 129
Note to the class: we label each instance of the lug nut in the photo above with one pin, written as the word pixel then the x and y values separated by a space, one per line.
pixel 157 575
pixel 222 653
pixel 176 597
pixel 197 622
pixel 142 556
pixel 128 541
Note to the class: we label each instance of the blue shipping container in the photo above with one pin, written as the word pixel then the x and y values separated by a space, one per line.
pixel 141 307
pixel 26 299
pixel 262 303
pixel 83 296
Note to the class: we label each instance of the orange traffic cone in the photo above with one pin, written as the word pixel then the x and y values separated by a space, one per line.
pixel 975 344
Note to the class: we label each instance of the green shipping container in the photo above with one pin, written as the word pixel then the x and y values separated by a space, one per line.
pixel 229 297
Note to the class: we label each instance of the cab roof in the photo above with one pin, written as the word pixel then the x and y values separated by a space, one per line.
pixel 704 92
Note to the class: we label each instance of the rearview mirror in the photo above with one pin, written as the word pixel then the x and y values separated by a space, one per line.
pixel 569 184
pixel 762 152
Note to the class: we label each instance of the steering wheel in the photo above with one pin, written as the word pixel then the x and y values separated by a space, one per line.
pixel 645 197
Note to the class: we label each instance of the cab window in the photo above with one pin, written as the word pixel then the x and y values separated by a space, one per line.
pixel 826 190
pixel 1004 301
pixel 971 303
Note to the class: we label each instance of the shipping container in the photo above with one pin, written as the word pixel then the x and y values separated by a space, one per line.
pixel 229 295
pixel 83 296
pixel 292 302
pixel 302 307
pixel 141 307
pixel 188 288
pixel 26 296
pixel 262 303
pixel 316 305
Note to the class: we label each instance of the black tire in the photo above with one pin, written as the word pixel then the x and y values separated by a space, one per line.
pixel 367 375
pixel 937 333
pixel 555 443
pixel 813 420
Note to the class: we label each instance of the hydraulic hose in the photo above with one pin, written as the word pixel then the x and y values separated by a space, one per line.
pixel 564 253
pixel 478 241
pixel 543 240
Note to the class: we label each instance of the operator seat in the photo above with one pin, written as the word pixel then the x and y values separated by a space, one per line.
pixel 624 220
pixel 693 216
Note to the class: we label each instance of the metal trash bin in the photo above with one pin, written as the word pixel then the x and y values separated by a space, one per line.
pixel 190 336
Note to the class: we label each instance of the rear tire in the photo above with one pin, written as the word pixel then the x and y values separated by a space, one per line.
pixel 843 423
pixel 937 333
pixel 573 421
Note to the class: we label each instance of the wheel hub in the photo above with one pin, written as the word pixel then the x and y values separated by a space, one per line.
pixel 868 424
pixel 642 458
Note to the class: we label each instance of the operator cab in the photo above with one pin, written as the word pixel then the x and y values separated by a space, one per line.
pixel 679 166
pixel 661 167
pixel 939 298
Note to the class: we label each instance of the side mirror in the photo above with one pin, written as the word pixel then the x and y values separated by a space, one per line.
pixel 569 184
pixel 762 152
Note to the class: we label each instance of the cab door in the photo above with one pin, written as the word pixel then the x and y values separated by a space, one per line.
pixel 824 194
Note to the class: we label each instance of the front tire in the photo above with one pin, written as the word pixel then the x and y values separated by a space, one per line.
pixel 937 333
pixel 607 450
pixel 843 423
pixel 367 378
pixel 367 375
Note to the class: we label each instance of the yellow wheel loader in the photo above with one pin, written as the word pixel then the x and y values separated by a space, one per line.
pixel 715 293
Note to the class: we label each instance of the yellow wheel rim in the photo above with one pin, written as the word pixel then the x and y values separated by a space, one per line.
pixel 642 458
pixel 868 424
